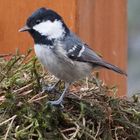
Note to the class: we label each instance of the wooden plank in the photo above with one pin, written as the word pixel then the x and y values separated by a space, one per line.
pixel 14 14
pixel 102 24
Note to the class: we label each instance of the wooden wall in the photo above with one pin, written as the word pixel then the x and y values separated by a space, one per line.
pixel 100 23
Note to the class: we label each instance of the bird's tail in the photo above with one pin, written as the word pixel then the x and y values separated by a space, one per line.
pixel 112 67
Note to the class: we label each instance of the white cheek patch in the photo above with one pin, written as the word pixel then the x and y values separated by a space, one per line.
pixel 51 29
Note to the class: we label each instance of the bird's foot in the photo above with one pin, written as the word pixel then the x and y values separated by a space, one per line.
pixel 56 102
pixel 48 88
pixel 59 101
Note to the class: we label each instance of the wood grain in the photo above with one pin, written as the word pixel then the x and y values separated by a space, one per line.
pixel 103 25
pixel 100 23
pixel 13 17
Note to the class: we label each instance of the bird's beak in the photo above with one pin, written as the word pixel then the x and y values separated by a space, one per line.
pixel 24 28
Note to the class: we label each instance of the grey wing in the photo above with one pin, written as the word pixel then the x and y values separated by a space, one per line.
pixel 79 51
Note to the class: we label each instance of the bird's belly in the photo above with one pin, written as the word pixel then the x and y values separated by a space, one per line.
pixel 63 70
pixel 47 58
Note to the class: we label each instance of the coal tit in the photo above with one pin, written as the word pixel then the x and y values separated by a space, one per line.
pixel 62 52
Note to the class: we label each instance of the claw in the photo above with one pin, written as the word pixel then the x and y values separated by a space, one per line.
pixel 56 103
pixel 47 88
pixel 60 100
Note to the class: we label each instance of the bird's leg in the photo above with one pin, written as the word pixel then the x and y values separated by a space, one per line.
pixel 97 83
pixel 60 100
pixel 49 88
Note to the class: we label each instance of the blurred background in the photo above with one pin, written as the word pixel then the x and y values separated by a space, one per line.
pixel 133 46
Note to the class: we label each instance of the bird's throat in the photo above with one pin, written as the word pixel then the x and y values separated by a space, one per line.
pixel 40 39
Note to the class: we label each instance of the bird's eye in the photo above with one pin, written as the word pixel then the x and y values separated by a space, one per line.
pixel 38 21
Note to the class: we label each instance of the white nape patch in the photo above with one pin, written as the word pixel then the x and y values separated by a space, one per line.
pixel 81 51
pixel 53 30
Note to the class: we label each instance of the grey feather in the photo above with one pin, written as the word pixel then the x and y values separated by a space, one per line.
pixel 88 55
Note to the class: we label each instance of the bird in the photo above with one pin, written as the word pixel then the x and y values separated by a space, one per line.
pixel 61 51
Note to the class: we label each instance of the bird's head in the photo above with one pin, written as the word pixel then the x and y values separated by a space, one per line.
pixel 45 23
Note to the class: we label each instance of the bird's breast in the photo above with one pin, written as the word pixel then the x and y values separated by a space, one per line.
pixel 61 66
pixel 46 56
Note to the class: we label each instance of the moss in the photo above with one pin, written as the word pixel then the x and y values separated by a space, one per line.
pixel 88 113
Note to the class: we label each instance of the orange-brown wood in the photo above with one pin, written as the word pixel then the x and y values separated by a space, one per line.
pixel 100 23
pixel 14 13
